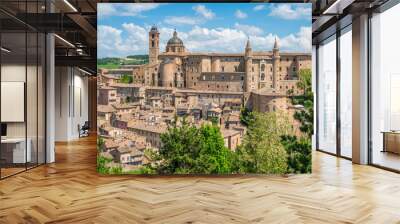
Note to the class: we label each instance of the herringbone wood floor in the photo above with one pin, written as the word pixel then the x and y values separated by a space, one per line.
pixel 70 191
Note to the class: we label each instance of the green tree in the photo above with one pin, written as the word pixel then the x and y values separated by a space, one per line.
pixel 299 148
pixel 299 154
pixel 262 150
pixel 214 157
pixel 214 120
pixel 306 115
pixel 305 81
pixel 187 149
pixel 126 79
pixel 246 116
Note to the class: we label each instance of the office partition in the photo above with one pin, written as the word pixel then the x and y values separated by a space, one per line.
pixel 22 77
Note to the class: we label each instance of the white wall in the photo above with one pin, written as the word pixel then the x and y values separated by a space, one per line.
pixel 71 102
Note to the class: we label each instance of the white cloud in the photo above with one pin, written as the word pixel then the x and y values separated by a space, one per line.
pixel 290 11
pixel 300 40
pixel 108 39
pixel 240 15
pixel 204 12
pixel 105 9
pixel 248 29
pixel 181 20
pixel 258 7
pixel 135 32
pixel 119 9
pixel 132 39
pixel 112 43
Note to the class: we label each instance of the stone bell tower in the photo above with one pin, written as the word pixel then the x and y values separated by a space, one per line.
pixel 248 57
pixel 154 50
pixel 276 58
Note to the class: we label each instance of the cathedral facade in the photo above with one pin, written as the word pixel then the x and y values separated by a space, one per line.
pixel 250 71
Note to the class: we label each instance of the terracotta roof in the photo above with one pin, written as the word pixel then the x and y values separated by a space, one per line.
pixel 269 92
pixel 125 85
pixel 207 92
pixel 148 127
pixel 125 105
pixel 233 118
pixel 106 88
pixel 105 108
pixel 109 143
pixel 109 76
pixel 229 132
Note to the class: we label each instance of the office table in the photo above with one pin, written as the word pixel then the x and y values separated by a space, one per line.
pixel 13 150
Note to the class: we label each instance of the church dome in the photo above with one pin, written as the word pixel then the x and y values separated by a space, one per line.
pixel 175 40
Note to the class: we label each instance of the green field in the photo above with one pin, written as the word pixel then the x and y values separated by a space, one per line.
pixel 113 63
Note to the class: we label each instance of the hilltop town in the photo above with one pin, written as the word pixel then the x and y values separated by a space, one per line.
pixel 136 103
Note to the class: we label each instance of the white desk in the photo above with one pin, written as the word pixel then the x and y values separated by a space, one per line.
pixel 18 150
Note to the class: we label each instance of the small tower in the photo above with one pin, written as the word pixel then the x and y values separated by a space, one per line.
pixel 248 58
pixel 275 64
pixel 154 39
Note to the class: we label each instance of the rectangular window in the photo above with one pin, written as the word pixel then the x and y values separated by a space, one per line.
pixel 385 89
pixel 346 92
pixel 327 95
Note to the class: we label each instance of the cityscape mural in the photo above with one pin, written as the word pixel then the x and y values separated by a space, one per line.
pixel 204 88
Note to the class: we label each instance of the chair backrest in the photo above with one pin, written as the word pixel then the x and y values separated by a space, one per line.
pixel 86 125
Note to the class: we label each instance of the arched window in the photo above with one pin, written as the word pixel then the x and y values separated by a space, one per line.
pixel 262 67
pixel 152 43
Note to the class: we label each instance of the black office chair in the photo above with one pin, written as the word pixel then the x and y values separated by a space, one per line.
pixel 84 130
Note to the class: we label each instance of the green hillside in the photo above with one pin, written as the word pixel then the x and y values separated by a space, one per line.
pixel 112 63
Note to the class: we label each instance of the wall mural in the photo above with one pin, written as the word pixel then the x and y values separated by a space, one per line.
pixel 204 88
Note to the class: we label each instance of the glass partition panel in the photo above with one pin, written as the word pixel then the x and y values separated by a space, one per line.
pixel 13 92
pixel 346 92
pixel 327 95
pixel 22 67
pixel 41 98
pixel 31 98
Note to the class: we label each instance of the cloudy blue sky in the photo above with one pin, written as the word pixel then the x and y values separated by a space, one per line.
pixel 203 27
